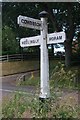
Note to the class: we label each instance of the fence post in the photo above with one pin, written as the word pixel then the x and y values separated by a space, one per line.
pixel 7 58
pixel 22 57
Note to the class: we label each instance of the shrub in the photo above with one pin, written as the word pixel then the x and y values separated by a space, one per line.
pixel 64 78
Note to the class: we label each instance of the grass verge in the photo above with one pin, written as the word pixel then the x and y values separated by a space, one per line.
pixel 59 105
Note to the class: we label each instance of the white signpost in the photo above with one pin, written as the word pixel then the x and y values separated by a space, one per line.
pixel 41 40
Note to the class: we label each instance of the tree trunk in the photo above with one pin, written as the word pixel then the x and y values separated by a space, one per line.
pixel 70 29
pixel 68 52
pixel 52 49
pixel 47 8
pixel 70 35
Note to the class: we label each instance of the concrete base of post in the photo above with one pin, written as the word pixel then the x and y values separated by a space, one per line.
pixel 24 78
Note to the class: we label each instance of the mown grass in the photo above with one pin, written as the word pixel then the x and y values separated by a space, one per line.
pixel 13 67
pixel 18 66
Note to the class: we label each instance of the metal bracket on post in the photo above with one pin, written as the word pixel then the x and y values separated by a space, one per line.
pixel 44 83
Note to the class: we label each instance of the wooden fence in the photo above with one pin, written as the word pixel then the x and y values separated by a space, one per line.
pixel 11 57
pixel 18 57
pixel 26 56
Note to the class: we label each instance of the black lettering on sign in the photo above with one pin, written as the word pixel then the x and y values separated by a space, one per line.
pixel 32 41
pixel 55 38
pixel 22 42
pixel 25 42
pixel 60 37
pixel 30 22
pixel 37 41
pixel 22 21
pixel 52 38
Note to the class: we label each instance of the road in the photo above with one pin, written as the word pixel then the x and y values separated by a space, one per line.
pixel 9 86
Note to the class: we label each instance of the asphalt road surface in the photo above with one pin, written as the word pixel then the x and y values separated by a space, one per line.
pixel 9 86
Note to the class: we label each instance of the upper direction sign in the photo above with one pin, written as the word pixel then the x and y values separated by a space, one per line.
pixel 58 37
pixel 30 41
pixel 29 22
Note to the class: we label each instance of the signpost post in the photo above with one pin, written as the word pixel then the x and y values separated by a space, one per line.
pixel 41 40
pixel 44 65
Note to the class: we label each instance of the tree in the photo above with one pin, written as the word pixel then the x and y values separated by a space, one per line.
pixel 66 18
pixel 9 43
pixel 62 16
pixel 11 11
